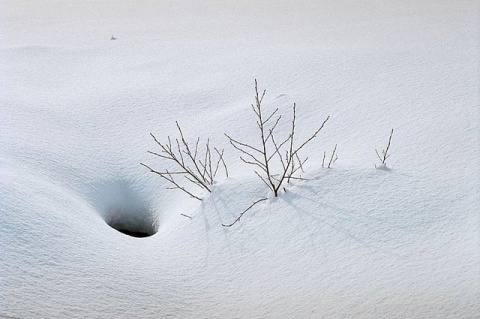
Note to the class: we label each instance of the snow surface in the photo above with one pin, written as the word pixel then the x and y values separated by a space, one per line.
pixel 76 110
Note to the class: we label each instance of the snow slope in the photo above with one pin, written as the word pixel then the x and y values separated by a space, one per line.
pixel 76 110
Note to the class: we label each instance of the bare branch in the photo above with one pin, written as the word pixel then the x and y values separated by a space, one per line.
pixel 160 155
pixel 167 176
pixel 220 159
pixel 311 137
pixel 247 153
pixel 292 134
pixel 331 158
pixel 299 178
pixel 259 164
pixel 378 155
pixel 196 147
pixel 205 169
pixel 242 144
pixel 300 162
pixel 272 152
pixel 385 152
pixel 210 162
pixel 263 180
pixel 242 213
pixel 295 169
pixel 258 100
pixel 254 109
pixel 277 151
pixel 273 128
pixel 179 149
pixel 199 173
pixel 278 147
pixel 193 181
pixel 269 117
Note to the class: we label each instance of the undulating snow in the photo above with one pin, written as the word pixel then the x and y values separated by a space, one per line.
pixel 353 241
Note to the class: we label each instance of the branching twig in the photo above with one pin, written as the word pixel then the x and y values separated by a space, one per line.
pixel 385 154
pixel 167 176
pixel 331 158
pixel 220 159
pixel 194 170
pixel 242 213
pixel 270 154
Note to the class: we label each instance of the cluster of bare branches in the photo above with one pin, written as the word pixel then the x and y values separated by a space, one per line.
pixel 385 155
pixel 284 152
pixel 333 158
pixel 196 169
pixel 276 161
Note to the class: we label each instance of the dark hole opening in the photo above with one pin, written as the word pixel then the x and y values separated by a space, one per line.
pixel 133 230
pixel 134 233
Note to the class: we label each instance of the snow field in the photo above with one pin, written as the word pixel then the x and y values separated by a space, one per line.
pixel 76 110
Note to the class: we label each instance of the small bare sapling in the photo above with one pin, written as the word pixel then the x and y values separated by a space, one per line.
pixel 383 156
pixel 276 160
pixel 192 168
pixel 333 158
pixel 271 149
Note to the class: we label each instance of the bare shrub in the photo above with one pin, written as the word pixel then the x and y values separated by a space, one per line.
pixel 332 159
pixel 276 161
pixel 285 152
pixel 384 154
pixel 198 170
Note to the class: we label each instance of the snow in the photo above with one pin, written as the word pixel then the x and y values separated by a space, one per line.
pixel 353 241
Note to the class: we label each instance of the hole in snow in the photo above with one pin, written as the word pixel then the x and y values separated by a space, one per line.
pixel 131 227
pixel 123 208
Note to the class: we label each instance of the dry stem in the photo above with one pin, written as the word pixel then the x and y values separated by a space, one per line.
pixel 331 158
pixel 242 213
pixel 196 171
pixel 283 152
pixel 385 154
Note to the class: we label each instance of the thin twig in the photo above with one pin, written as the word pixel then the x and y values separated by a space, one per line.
pixel 201 174
pixel 272 152
pixel 242 144
pixel 385 151
pixel 311 137
pixel 167 176
pixel 331 158
pixel 273 128
pixel 242 213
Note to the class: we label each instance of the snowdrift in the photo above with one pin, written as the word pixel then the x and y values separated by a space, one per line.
pixel 353 241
